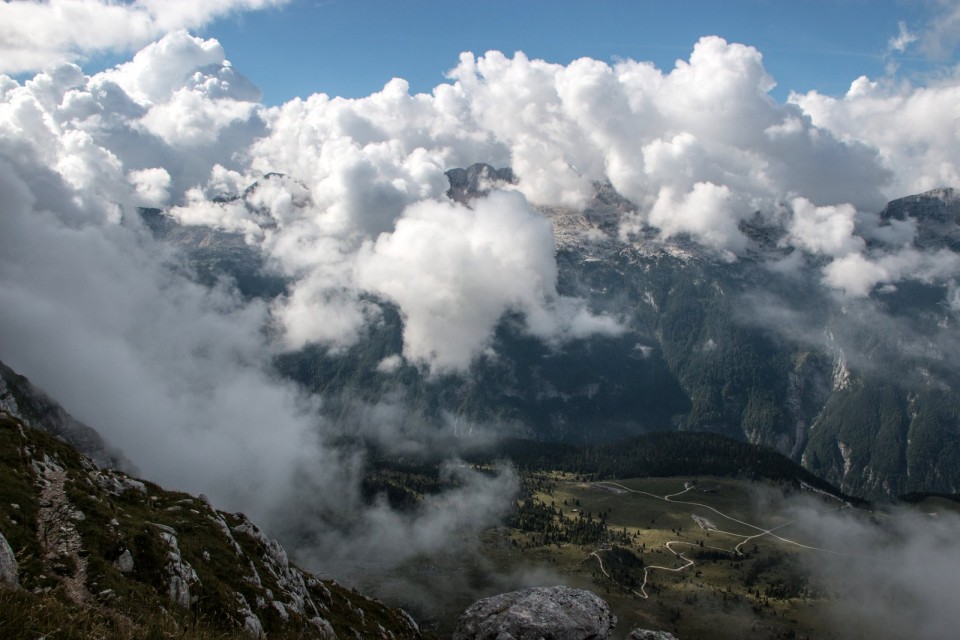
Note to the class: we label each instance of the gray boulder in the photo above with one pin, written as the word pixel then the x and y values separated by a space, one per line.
pixel 9 570
pixel 124 563
pixel 558 613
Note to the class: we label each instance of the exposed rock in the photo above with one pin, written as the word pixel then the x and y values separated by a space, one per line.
pixel 647 634
pixel 559 613
pixel 222 525
pixel 936 214
pixel 251 623
pixel 168 557
pixel 413 623
pixel 326 629
pixel 179 572
pixel 117 484
pixel 9 570
pixel 288 578
pixel 314 583
pixel 124 563
pixel 476 180
pixel 281 610
pixel 214 253
pixel 841 372
pixel 8 403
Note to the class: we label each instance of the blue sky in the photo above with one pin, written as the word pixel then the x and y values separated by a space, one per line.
pixel 351 48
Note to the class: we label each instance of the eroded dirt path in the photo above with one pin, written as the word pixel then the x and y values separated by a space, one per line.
pixel 57 531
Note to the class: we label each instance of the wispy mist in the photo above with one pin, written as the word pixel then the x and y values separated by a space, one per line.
pixel 891 575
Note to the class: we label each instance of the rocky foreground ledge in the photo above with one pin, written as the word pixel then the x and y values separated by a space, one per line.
pixel 557 613
pixel 89 552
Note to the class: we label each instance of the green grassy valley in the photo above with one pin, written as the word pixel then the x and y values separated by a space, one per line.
pixel 689 555
pixel 720 539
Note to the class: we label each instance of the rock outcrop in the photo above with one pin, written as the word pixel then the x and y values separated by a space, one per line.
pixel 9 570
pixel 559 613
pixel 476 181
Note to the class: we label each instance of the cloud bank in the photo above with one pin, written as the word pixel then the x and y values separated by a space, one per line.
pixel 893 574
pixel 104 318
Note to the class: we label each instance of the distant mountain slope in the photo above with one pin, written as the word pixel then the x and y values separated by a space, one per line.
pixel 659 455
pixel 211 254
pixel 938 214
pixel 863 392
pixel 97 553
pixel 22 400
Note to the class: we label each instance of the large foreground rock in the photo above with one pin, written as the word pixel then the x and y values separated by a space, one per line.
pixel 558 613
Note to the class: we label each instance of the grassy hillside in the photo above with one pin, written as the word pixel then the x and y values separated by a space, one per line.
pixel 102 555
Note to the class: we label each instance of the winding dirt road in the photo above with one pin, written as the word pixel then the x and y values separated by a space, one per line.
pixel 619 489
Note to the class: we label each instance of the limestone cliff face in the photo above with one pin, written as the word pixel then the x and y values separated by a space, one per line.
pixel 936 214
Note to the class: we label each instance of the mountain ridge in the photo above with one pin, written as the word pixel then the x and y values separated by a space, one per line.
pixel 90 551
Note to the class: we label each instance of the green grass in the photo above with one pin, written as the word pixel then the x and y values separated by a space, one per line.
pixel 29 616
pixel 765 594
pixel 936 504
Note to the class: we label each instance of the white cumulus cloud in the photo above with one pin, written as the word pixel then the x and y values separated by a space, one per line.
pixel 35 34
pixel 455 271
pixel 828 230
pixel 914 129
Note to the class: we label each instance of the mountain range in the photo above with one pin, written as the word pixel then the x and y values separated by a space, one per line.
pixel 862 392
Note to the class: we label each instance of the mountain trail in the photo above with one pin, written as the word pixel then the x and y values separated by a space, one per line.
pixel 57 531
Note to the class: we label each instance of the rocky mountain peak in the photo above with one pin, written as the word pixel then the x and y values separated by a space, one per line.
pixel 476 181
pixel 936 213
